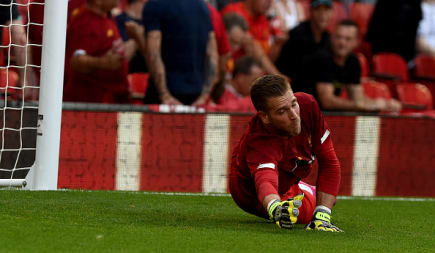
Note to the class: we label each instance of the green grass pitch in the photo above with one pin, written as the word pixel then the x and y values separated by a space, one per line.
pixel 77 221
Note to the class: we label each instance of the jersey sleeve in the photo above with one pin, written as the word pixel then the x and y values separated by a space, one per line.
pixel 263 154
pixel 151 15
pixel 328 179
pixel 319 128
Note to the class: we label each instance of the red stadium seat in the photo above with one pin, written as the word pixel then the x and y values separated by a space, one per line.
pixel 364 65
pixel 12 78
pixel 137 84
pixel 338 13
pixel 389 65
pixel 372 89
pixel 306 7
pixel 376 90
pixel 390 69
pixel 414 96
pixel 425 67
pixel 425 72
pixel 361 13
pixel 12 81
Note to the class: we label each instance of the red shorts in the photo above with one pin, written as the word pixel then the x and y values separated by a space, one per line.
pixel 246 198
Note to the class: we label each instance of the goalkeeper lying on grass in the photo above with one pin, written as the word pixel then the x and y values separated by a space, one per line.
pixel 277 151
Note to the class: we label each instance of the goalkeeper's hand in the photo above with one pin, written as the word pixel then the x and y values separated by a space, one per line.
pixel 322 221
pixel 285 213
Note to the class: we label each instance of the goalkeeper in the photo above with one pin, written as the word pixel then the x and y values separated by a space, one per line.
pixel 278 150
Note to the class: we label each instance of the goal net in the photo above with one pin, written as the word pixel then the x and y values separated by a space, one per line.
pixel 28 86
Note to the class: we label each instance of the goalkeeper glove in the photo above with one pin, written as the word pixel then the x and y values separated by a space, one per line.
pixel 322 220
pixel 285 213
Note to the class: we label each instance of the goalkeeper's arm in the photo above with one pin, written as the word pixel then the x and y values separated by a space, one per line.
pixel 283 213
pixel 328 183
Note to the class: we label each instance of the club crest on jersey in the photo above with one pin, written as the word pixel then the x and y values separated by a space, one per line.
pixel 110 33
pixel 300 162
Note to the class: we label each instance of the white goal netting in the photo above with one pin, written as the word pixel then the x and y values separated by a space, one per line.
pixel 20 64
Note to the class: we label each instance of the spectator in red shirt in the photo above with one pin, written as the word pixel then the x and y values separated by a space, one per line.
pixel 74 7
pixel 254 13
pixel 223 44
pixel 235 96
pixel 277 151
pixel 96 57
pixel 242 43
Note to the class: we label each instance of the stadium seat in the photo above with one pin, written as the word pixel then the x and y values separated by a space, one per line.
pixel 425 67
pixel 376 90
pixel 372 89
pixel 364 65
pixel 306 6
pixel 414 96
pixel 137 85
pixel 361 13
pixel 338 13
pixel 425 72
pixel 390 66
pixel 12 78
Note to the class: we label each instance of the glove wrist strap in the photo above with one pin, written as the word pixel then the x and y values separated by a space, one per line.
pixel 323 209
pixel 271 207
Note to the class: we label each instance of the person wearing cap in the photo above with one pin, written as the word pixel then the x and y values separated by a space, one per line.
pixel 304 40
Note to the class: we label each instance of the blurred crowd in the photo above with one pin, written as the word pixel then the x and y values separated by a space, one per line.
pixel 375 56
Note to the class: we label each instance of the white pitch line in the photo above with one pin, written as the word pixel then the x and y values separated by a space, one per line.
pixel 229 195
pixel 387 198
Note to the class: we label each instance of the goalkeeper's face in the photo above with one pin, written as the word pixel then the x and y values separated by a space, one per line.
pixel 284 114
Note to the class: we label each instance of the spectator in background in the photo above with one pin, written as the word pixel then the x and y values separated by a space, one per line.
pixel 304 40
pixel 254 12
pixel 96 56
pixel 236 93
pixel 393 27
pixel 130 16
pixel 426 29
pixel 181 52
pixel 242 43
pixel 220 4
pixel 336 68
pixel 223 44
pixel 74 7
pixel 9 16
pixel 289 12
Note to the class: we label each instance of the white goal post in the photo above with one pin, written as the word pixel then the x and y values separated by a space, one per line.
pixel 43 175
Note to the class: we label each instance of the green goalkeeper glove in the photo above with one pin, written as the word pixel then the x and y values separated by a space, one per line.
pixel 322 220
pixel 285 213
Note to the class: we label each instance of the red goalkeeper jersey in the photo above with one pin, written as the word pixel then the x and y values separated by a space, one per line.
pixel 266 163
